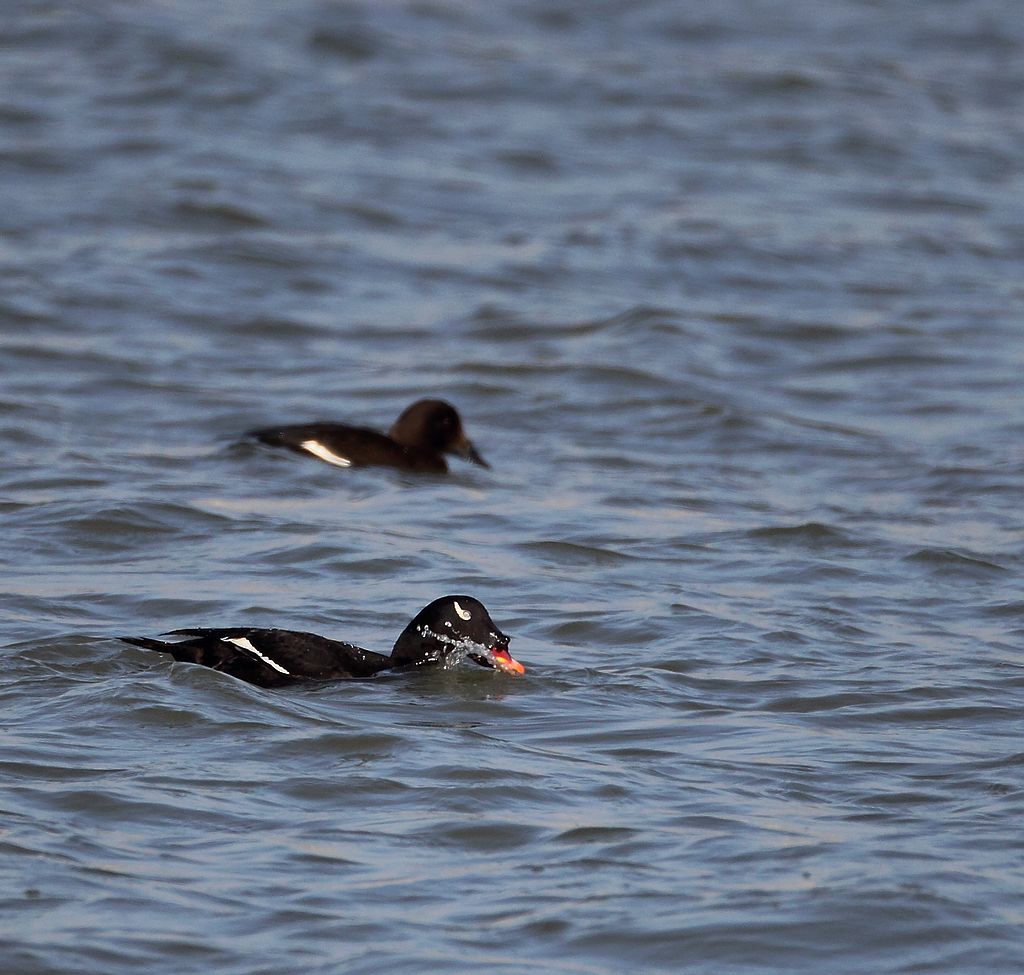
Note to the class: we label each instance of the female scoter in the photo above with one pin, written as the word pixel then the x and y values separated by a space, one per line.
pixel 271 658
pixel 417 441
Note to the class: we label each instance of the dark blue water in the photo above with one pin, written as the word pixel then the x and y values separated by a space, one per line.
pixel 729 295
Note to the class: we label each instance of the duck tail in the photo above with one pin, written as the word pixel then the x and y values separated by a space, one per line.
pixel 180 651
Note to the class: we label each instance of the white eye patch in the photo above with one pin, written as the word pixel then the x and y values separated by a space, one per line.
pixel 243 642
pixel 317 449
pixel 463 615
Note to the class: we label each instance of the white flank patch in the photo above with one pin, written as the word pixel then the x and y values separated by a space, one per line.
pixel 241 641
pixel 463 615
pixel 317 449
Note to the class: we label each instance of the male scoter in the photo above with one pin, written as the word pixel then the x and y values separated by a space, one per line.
pixel 417 441
pixel 271 658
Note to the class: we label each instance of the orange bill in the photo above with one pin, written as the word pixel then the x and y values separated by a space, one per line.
pixel 505 662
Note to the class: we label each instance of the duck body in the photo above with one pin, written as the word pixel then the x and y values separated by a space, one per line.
pixel 346 446
pixel 269 658
pixel 273 658
pixel 417 441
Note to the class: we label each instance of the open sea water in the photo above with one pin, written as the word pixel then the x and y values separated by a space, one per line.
pixel 730 295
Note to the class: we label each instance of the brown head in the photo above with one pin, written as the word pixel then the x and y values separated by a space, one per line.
pixel 434 425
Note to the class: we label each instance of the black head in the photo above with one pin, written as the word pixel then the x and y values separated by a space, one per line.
pixel 433 424
pixel 449 624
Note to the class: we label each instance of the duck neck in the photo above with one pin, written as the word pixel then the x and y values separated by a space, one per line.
pixel 366 663
pixel 418 645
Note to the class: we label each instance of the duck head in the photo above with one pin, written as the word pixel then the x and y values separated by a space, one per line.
pixel 433 424
pixel 454 623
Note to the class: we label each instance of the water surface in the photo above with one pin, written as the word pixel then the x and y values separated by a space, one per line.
pixel 730 298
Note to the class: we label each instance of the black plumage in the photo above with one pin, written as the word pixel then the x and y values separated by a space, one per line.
pixel 272 658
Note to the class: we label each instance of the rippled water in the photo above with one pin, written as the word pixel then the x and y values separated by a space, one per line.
pixel 729 295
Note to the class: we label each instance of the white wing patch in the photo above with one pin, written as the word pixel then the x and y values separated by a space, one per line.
pixel 241 641
pixel 317 449
pixel 463 615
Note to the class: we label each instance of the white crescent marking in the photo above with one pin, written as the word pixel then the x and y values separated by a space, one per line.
pixel 317 449
pixel 241 641
pixel 463 615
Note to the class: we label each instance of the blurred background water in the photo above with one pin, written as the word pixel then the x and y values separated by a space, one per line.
pixel 728 294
